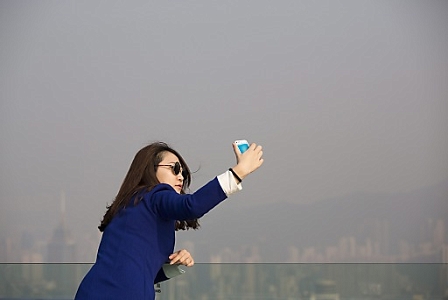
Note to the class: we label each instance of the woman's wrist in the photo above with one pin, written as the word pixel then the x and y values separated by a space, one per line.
pixel 240 174
pixel 238 178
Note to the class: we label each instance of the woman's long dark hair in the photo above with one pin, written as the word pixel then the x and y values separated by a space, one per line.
pixel 142 177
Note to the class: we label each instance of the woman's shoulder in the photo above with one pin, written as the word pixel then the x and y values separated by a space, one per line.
pixel 158 189
pixel 162 187
pixel 159 194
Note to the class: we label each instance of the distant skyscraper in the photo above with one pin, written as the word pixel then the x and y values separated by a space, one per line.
pixel 61 247
pixel 439 234
pixel 293 254
pixel 3 249
pixel 381 237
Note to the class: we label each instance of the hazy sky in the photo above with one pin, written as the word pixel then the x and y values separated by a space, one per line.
pixel 345 97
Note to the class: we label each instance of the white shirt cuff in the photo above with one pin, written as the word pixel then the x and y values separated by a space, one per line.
pixel 228 183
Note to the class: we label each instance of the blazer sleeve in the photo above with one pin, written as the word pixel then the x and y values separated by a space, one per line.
pixel 168 204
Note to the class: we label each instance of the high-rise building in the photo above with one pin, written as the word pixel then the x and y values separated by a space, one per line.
pixel 61 247
pixel 61 250
pixel 3 249
pixel 439 234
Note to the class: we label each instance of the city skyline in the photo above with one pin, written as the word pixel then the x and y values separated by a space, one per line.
pixel 374 238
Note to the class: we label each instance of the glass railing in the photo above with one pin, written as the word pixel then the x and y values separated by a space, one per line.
pixel 248 281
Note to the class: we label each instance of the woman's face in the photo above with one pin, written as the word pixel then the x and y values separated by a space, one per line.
pixel 165 171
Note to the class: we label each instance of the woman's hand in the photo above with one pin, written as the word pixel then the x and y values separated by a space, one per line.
pixel 248 161
pixel 181 257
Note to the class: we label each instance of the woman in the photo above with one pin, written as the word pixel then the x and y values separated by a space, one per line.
pixel 136 249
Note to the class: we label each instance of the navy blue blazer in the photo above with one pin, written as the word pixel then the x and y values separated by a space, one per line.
pixel 139 239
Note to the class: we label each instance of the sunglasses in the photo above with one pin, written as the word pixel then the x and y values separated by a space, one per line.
pixel 176 168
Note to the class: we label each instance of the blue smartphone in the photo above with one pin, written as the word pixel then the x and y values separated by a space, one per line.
pixel 243 145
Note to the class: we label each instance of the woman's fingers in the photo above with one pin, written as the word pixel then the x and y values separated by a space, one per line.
pixel 182 257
